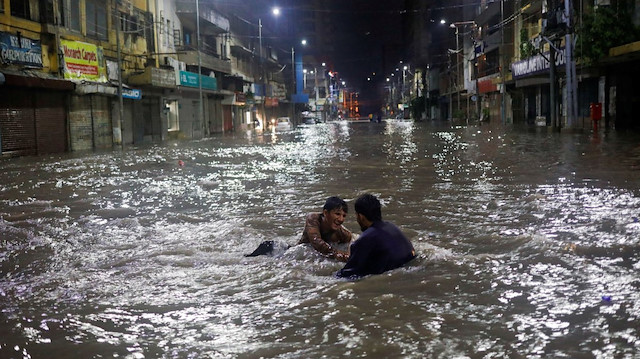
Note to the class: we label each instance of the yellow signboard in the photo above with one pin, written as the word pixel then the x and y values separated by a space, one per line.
pixel 83 61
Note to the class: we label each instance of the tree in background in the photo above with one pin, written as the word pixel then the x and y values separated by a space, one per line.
pixel 605 27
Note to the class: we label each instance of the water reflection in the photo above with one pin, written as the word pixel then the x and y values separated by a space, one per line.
pixel 520 235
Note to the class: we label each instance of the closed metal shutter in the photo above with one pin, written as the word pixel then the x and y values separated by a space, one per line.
pixel 17 126
pixel 32 122
pixel 50 118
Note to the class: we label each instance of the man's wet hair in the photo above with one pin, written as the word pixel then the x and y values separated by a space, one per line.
pixel 335 202
pixel 369 206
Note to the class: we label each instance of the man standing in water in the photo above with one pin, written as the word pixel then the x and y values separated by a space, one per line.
pixel 381 246
pixel 322 230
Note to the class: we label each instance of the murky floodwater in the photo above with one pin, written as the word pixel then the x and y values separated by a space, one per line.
pixel 528 243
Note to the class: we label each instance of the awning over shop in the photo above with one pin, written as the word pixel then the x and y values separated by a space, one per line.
pixel 532 81
pixel 107 89
pixel 35 79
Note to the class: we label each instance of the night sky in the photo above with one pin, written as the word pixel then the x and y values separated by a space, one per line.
pixel 368 41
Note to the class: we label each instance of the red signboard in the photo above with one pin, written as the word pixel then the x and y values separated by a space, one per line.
pixel 271 101
pixel 485 86
pixel 241 97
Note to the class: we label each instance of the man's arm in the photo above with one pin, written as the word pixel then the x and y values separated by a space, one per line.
pixel 358 258
pixel 312 230
pixel 343 235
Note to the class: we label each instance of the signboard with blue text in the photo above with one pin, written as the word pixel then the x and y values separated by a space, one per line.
pixel 20 50
pixel 536 64
pixel 133 94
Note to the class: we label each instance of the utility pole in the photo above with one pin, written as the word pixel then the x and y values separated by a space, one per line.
pixel 552 86
pixel 427 89
pixel 326 111
pixel 477 71
pixel 262 74
pixel 503 90
pixel 458 63
pixel 450 90
pixel 315 76
pixel 200 108
pixel 120 101
pixel 293 84
pixel 456 25
pixel 572 86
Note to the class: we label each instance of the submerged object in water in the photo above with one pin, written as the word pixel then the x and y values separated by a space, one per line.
pixel 269 248
pixel 264 248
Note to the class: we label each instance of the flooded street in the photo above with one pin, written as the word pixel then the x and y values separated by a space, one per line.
pixel 528 246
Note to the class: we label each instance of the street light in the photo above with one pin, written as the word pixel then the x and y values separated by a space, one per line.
pixel 304 79
pixel 296 85
pixel 276 12
pixel 404 94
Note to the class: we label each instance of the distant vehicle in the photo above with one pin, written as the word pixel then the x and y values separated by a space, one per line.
pixel 310 120
pixel 283 124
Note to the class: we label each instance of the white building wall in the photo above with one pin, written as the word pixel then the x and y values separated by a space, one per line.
pixel 166 23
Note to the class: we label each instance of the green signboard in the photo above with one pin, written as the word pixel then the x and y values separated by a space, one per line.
pixel 190 79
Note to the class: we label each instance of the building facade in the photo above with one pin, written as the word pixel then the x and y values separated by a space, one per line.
pixel 525 62
pixel 87 74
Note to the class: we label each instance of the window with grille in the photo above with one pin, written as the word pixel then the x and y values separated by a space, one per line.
pixel 177 37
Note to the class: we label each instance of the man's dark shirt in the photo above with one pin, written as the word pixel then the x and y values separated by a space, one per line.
pixel 379 248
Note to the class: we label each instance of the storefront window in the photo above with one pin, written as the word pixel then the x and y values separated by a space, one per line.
pixel 171 109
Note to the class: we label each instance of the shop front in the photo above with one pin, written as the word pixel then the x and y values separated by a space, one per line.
pixel 33 114
pixel 33 103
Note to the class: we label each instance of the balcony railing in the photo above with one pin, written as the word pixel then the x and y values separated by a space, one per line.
pixel 209 18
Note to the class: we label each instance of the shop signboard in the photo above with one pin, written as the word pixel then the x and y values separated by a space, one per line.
pixel 192 79
pixel 20 50
pixel 83 61
pixel 133 94
pixel 535 64
pixel 271 101
pixel 241 97
pixel 279 91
